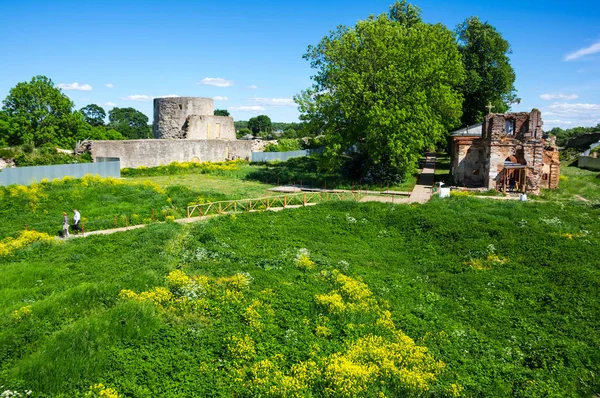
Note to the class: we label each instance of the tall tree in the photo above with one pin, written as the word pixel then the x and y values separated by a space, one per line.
pixel 490 77
pixel 130 122
pixel 386 87
pixel 37 112
pixel 221 112
pixel 260 123
pixel 94 114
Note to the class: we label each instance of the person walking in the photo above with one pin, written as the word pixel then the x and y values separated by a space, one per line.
pixel 65 225
pixel 76 219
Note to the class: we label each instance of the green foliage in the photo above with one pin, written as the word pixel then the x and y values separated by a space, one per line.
pixel 490 77
pixel 104 203
pixel 49 158
pixel 389 84
pixel 243 132
pixel 93 114
pixel 260 123
pixel 221 112
pixel 244 305
pixel 284 145
pixel 177 168
pixel 37 112
pixel 131 123
pixel 563 136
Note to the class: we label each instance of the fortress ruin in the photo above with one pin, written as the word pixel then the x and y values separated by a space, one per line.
pixel 185 130
pixel 190 118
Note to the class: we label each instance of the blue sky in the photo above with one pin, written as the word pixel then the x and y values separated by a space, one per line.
pixel 248 55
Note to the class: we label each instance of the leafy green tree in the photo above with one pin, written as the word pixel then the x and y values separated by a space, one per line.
pixel 260 123
pixel 489 76
pixel 242 132
pixel 387 88
pixel 94 114
pixel 131 123
pixel 222 112
pixel 38 113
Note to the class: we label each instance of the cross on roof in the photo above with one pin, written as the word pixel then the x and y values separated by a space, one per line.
pixel 490 107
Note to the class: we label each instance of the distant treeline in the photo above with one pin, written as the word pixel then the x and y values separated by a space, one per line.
pixel 563 136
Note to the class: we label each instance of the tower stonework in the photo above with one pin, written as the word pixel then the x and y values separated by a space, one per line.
pixel 190 118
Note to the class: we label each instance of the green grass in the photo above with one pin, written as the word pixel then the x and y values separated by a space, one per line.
pixel 575 181
pixel 507 300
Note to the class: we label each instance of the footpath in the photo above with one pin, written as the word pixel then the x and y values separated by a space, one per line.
pixel 421 193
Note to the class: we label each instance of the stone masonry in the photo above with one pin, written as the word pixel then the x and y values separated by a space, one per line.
pixel 509 154
pixel 190 118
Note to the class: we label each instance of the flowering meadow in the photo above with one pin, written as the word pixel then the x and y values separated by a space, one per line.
pixel 457 297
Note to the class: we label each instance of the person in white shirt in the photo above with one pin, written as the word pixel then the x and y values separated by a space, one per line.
pixel 76 219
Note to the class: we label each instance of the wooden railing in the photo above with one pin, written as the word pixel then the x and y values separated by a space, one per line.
pixel 269 202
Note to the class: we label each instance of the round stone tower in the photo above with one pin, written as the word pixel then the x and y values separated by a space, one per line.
pixel 171 113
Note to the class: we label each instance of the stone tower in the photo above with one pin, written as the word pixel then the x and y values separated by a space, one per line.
pixel 190 118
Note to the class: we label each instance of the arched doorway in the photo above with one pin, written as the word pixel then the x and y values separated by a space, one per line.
pixel 514 175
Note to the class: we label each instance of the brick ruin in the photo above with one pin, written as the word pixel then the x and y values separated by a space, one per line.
pixel 507 152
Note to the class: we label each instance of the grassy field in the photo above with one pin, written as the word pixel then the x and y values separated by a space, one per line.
pixel 454 297
pixel 146 195
pixel 575 181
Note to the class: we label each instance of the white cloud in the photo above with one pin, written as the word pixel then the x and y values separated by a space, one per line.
pixel 252 108
pixel 109 85
pixel 137 97
pixel 219 98
pixel 561 96
pixel 215 81
pixel 274 101
pixel 593 49
pixel 253 87
pixel 110 104
pixel 168 96
pixel 564 114
pixel 75 86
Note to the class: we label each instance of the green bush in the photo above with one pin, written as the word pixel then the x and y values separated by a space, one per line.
pixel 284 145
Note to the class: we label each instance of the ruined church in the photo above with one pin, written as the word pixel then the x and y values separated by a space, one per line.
pixel 507 152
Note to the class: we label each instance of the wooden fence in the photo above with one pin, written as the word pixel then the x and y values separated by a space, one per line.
pixel 269 202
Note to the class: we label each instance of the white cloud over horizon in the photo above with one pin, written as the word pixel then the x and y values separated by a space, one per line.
pixel 563 114
pixel 137 97
pixel 110 104
pixel 109 85
pixel 220 98
pixel 168 96
pixel 561 96
pixel 215 81
pixel 593 49
pixel 250 108
pixel 74 86
pixel 273 101
pixel 253 87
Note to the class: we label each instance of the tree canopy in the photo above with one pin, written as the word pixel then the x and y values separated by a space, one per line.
pixel 260 123
pixel 132 123
pixel 94 114
pixel 38 113
pixel 490 77
pixel 387 87
pixel 221 112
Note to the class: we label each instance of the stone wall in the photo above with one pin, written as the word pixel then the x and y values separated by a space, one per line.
pixel 209 128
pixel 468 161
pixel 170 114
pixel 152 153
pixel 522 146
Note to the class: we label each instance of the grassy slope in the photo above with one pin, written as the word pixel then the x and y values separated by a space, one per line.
pixel 575 181
pixel 525 327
